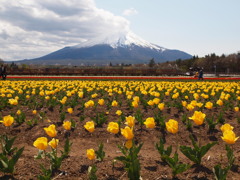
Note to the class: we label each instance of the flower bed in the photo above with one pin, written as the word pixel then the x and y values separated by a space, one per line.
pixel 121 129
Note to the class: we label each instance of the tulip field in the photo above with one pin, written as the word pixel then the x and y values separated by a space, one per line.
pixel 119 129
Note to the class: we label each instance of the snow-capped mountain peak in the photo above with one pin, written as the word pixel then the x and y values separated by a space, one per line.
pixel 120 40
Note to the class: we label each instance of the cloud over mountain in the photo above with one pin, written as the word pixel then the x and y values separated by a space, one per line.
pixel 31 28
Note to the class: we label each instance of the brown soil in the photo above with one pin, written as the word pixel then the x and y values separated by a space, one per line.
pixel 76 165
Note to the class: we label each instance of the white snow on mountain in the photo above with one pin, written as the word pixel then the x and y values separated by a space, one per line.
pixel 120 40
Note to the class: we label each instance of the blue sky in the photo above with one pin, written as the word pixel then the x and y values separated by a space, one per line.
pixel 32 28
pixel 199 27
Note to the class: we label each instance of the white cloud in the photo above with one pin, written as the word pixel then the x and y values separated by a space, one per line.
pixel 129 12
pixel 30 28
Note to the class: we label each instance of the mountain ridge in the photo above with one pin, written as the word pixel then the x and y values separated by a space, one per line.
pixel 116 48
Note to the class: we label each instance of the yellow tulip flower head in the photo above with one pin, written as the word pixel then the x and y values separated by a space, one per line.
pixel 161 106
pixel 198 117
pixel 196 96
pixel 67 125
pixel 113 127
pixel 136 98
pixel 91 154
pixel 13 101
pixel 80 94
pixel 190 107
pixel 229 137
pixel 53 143
pixel 101 102
pixel 219 102
pixel 226 127
pixel 135 104
pixel 172 126
pixel 209 105
pixel 114 103
pixel 150 122
pixel 70 110
pixel 184 103
pixel 236 109
pixel 8 120
pixel 156 100
pixel 34 112
pixel 129 144
pixel 150 102
pixel 41 143
pixel 130 121
pixel 18 112
pixel 127 132
pixel 89 126
pixel 51 130
pixel 119 112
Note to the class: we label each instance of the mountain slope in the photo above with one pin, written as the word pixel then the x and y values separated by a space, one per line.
pixel 118 48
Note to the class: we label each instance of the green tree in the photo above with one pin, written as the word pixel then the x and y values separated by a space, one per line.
pixel 151 63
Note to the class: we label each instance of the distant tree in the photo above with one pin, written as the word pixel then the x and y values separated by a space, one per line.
pixel 1 61
pixel 178 62
pixel 110 64
pixel 151 63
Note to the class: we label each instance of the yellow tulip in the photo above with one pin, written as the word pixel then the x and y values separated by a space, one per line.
pixel 91 154
pixel 8 120
pixel 229 137
pixel 135 104
pixel 199 104
pixel 136 98
pixel 114 103
pixel 89 103
pixel 13 101
pixel 219 102
pixel 51 130
pixel 67 125
pixel 130 121
pixel 209 105
pixel 161 106
pixel 172 126
pixel 53 143
pixel 196 96
pixel 190 107
pixel 80 94
pixel 18 112
pixel 119 112
pixel 101 102
pixel 167 93
pixel 129 144
pixel 226 127
pixel 198 117
pixel 175 96
pixel 89 126
pixel 127 132
pixel 150 122
pixel 34 112
pixel 156 100
pixel 236 109
pixel 184 103
pixel 70 110
pixel 41 143
pixel 150 103
pixel 94 95
pixel 113 127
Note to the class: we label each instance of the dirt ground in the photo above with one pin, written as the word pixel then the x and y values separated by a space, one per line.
pixel 76 165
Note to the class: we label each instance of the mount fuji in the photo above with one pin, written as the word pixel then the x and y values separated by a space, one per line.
pixel 119 48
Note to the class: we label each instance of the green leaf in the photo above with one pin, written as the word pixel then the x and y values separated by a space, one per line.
pixel 121 158
pixel 219 173
pixel 205 149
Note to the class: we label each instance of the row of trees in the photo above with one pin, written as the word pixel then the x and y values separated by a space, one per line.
pixel 212 63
